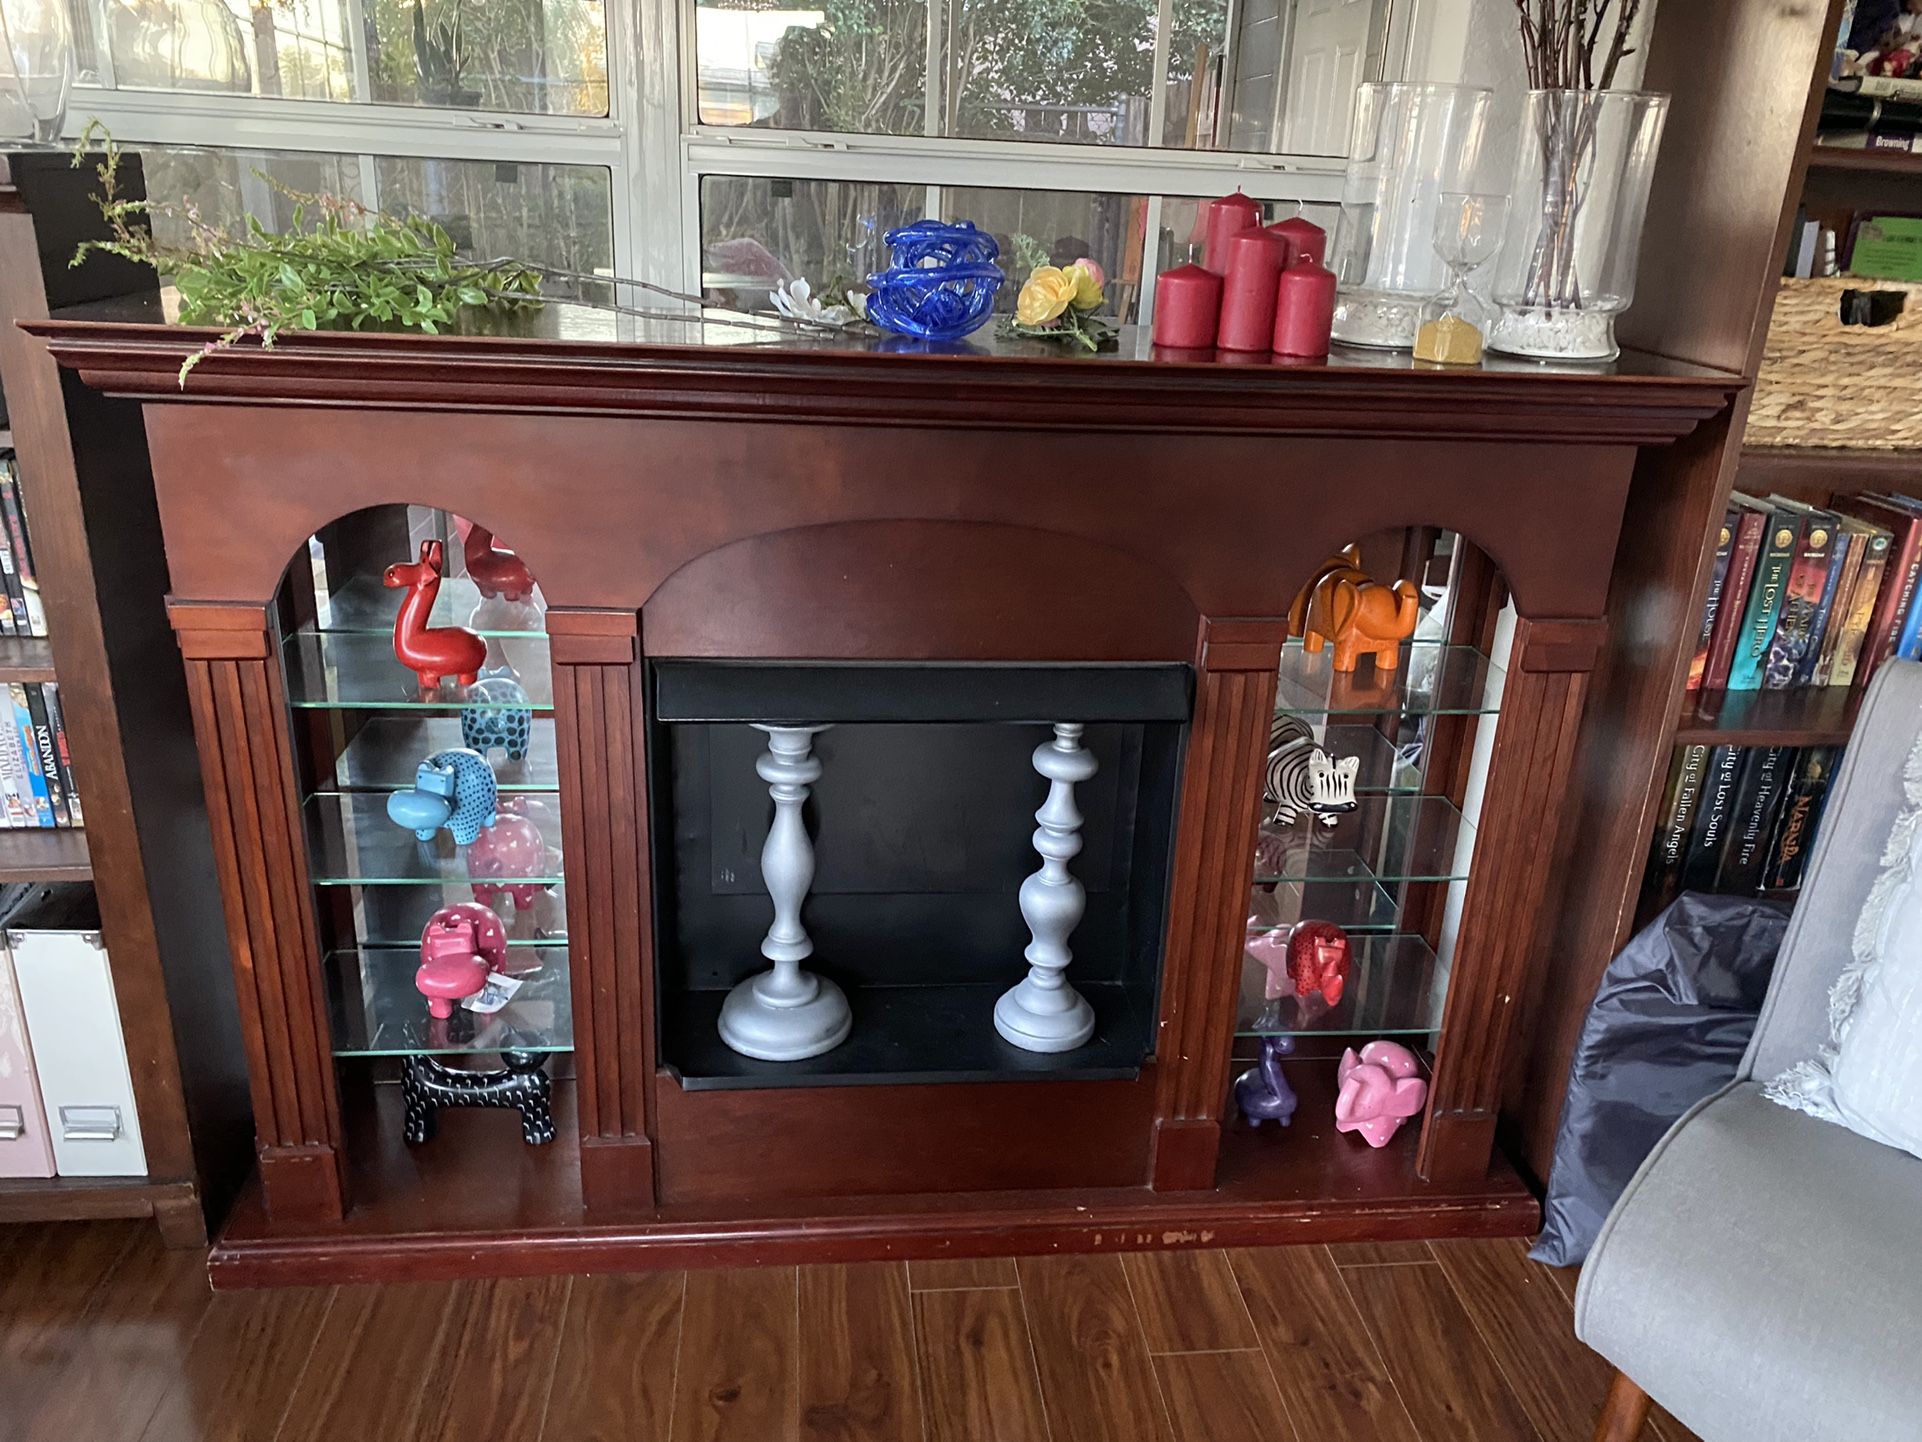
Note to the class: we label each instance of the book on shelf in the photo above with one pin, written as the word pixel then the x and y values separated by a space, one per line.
pixel 1851 627
pixel 1727 627
pixel 1800 616
pixel 63 752
pixel 1803 798
pixel 42 731
pixel 1679 801
pixel 37 788
pixel 1898 584
pixel 1844 565
pixel 21 548
pixel 1708 837
pixel 1782 535
pixel 1758 808
pixel 1717 578
pixel 16 791
pixel 36 770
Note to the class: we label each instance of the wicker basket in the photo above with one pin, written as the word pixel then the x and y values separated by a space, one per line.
pixel 1828 384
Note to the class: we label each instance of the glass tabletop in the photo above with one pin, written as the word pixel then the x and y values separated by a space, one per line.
pixel 378 1012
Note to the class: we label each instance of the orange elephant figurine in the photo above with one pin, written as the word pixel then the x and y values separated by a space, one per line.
pixel 1361 617
pixel 1348 562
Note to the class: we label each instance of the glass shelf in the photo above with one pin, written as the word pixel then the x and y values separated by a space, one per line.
pixel 350 842
pixel 396 915
pixel 1361 905
pixel 366 604
pixel 1386 838
pixel 386 751
pixel 377 1011
pixel 356 670
pixel 1396 986
pixel 1431 680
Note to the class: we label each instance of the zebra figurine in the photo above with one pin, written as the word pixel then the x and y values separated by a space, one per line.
pixel 1305 780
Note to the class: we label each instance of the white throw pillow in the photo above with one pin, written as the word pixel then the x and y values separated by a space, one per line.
pixel 1870 1079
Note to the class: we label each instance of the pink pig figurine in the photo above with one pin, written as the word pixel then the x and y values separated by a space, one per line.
pixel 1379 1091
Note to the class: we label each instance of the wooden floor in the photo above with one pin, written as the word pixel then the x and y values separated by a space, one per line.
pixel 105 1337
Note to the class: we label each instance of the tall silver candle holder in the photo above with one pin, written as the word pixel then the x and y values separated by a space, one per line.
pixel 1042 1012
pixel 785 1013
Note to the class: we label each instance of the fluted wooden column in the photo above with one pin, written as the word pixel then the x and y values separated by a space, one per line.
pixel 253 803
pixel 1237 664
pixel 1535 734
pixel 600 735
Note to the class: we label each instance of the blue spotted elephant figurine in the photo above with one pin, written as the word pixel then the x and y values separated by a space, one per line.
pixel 503 718
pixel 454 789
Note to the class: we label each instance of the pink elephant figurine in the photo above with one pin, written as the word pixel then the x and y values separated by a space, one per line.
pixel 501 859
pixel 1379 1091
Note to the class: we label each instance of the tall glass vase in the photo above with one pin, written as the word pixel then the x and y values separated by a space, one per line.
pixel 1567 266
pixel 38 63
pixel 1411 144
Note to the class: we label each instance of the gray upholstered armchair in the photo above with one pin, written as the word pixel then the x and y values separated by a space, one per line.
pixel 1761 1277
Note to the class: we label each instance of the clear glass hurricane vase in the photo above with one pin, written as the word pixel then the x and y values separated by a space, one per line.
pixel 1567 267
pixel 1412 143
pixel 39 56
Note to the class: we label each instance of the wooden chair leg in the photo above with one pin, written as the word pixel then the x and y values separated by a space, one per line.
pixel 1623 1413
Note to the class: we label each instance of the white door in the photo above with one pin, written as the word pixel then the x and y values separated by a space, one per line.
pixel 1325 65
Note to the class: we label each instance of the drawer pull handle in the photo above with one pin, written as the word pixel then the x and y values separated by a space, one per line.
pixel 13 1123
pixel 90 1124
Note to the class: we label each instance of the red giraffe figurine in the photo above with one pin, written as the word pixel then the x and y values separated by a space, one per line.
pixel 497 572
pixel 431 653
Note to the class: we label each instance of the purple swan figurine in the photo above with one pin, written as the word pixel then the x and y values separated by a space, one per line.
pixel 1262 1092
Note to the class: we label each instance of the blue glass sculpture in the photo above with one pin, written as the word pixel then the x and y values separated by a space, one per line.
pixel 941 283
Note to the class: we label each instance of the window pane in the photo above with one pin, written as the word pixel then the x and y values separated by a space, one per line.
pixel 554 215
pixel 522 56
pixel 757 233
pixel 1270 75
pixel 856 66
pixel 1258 75
pixel 1050 69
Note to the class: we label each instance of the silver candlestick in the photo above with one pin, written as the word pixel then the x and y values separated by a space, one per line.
pixel 1042 1012
pixel 785 1013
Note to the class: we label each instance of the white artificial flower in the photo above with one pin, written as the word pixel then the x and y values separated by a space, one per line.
pixel 796 301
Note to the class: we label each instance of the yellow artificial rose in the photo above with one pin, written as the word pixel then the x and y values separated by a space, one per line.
pixel 1049 291
pixel 1087 284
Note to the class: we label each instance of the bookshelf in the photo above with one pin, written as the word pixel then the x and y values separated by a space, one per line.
pixel 1846 160
pixel 145 847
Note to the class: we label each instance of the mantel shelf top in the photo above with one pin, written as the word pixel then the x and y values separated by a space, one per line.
pixel 724 365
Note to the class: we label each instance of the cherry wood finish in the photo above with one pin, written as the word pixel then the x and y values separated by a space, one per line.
pixel 600 730
pixel 1731 166
pixel 1226 761
pixel 850 510
pixel 102 575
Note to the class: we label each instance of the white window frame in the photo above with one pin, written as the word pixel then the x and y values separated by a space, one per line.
pixel 657 152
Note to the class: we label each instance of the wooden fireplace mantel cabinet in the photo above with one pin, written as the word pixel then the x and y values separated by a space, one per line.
pixel 837 503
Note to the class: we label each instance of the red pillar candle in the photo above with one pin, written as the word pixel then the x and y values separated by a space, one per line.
pixel 1255 260
pixel 1187 306
pixel 1227 218
pixel 1305 238
pixel 1304 309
